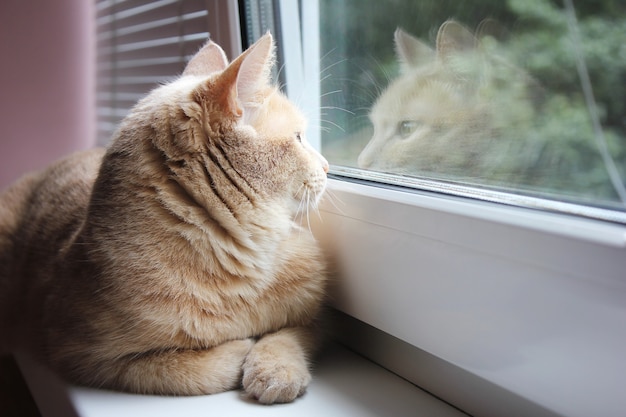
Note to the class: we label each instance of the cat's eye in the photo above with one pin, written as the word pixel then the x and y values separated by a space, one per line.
pixel 299 136
pixel 406 128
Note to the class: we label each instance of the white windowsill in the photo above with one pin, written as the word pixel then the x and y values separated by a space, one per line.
pixel 521 302
pixel 344 384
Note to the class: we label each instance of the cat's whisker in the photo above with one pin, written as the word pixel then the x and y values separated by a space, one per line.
pixel 320 127
pixel 382 69
pixel 303 203
pixel 326 77
pixel 365 110
pixel 327 54
pixel 281 86
pixel 370 94
pixel 341 61
pixel 317 211
pixel 334 200
pixel 315 123
pixel 302 210
pixel 338 108
pixel 330 92
pixel 373 81
pixel 334 124
pixel 308 206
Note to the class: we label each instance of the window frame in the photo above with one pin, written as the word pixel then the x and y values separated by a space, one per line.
pixel 571 270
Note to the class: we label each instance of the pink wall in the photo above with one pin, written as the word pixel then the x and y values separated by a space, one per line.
pixel 47 106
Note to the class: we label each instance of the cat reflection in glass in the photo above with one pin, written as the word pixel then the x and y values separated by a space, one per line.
pixel 454 111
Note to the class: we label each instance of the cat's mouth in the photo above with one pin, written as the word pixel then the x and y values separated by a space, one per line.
pixel 310 193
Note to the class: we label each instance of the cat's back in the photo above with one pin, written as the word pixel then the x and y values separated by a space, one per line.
pixel 44 200
pixel 38 215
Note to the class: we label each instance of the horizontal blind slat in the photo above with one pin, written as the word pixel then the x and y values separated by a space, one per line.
pixel 183 21
pixel 153 43
pixel 147 62
pixel 113 112
pixel 111 97
pixel 142 44
pixel 169 31
pixel 134 11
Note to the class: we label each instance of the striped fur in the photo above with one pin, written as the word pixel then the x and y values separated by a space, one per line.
pixel 172 263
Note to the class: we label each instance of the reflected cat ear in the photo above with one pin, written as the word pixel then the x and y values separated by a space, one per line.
pixel 453 38
pixel 243 82
pixel 209 59
pixel 411 51
pixel 493 29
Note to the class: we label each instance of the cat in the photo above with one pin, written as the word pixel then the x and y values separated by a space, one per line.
pixel 451 112
pixel 172 262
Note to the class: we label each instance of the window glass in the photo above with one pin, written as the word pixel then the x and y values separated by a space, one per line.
pixel 522 96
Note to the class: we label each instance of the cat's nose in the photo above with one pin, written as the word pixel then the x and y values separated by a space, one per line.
pixel 364 159
pixel 325 165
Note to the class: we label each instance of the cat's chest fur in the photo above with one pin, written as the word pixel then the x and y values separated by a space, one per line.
pixel 153 281
pixel 182 297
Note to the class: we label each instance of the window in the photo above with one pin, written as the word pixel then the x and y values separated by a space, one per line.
pixel 499 290
pixel 497 100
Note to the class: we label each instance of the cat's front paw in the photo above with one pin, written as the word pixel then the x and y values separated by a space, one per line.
pixel 272 378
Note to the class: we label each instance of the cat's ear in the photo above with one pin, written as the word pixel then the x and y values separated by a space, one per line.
pixel 243 82
pixel 209 59
pixel 411 52
pixel 453 38
pixel 254 72
pixel 493 29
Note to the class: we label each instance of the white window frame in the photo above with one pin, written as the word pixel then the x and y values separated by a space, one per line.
pixel 528 305
pixel 300 44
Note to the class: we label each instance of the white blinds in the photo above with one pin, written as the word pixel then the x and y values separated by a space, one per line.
pixel 142 43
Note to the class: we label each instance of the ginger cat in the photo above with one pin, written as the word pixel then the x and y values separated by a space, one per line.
pixel 172 263
pixel 454 111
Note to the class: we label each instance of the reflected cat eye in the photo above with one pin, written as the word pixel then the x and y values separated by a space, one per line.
pixel 406 128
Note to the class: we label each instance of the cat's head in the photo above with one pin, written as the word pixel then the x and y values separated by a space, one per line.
pixel 422 115
pixel 447 110
pixel 227 138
